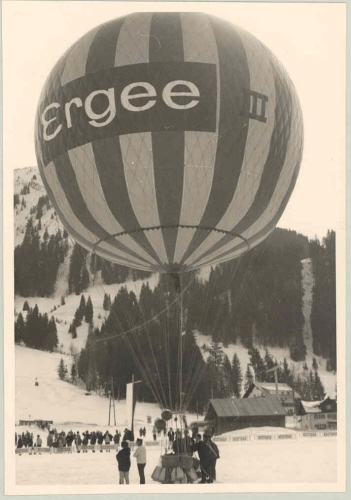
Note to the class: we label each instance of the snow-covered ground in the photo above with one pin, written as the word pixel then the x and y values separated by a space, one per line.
pixel 293 462
pixel 298 461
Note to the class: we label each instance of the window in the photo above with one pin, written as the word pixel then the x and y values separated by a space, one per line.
pixel 319 416
pixel 321 426
pixel 331 415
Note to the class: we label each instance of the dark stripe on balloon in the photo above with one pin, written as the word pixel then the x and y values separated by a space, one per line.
pixel 275 160
pixel 234 76
pixel 80 239
pixel 166 38
pixel 109 163
pixel 166 45
pixel 68 181
pixel 103 48
pixel 272 223
pixel 168 151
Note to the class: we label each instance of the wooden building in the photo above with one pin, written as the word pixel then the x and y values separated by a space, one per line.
pixel 289 398
pixel 318 415
pixel 226 415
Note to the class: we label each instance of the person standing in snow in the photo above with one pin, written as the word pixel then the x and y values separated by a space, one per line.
pixel 19 443
pixel 140 455
pixel 100 440
pixel 93 441
pixel 50 442
pixel 123 459
pixel 116 438
pixel 208 454
pixel 170 438
pixel 30 443
pixel 39 443
pixel 107 438
pixel 78 442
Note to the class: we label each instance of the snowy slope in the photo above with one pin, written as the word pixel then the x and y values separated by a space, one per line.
pixel 62 402
pixel 30 176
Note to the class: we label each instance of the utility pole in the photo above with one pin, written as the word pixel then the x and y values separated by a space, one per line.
pixel 275 370
pixel 112 404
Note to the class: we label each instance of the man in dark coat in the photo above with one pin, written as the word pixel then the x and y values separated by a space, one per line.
pixel 208 455
pixel 123 459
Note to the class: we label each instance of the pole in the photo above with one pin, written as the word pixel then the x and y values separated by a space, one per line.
pixel 109 410
pixel 113 399
pixel 276 381
pixel 181 347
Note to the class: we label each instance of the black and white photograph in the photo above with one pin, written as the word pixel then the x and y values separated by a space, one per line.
pixel 174 247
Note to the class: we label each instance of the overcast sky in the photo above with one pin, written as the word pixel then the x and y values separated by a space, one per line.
pixel 309 39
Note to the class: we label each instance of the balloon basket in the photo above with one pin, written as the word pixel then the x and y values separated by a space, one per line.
pixel 176 469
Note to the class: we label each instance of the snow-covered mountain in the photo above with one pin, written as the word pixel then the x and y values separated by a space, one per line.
pixel 28 189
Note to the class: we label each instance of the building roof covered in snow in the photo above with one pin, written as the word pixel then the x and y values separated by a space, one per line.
pixel 311 406
pixel 234 407
pixel 327 405
pixel 269 388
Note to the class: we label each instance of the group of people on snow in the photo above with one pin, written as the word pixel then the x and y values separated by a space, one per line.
pixel 28 440
pixel 179 443
pixel 72 440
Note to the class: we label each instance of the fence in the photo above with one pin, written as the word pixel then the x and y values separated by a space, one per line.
pixel 276 437
pixel 217 439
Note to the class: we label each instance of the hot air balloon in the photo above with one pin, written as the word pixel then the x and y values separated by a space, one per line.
pixel 168 142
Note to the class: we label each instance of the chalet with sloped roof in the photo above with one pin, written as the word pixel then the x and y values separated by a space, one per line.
pixel 289 398
pixel 318 415
pixel 226 415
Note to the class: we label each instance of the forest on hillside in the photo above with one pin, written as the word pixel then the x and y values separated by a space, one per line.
pixel 255 300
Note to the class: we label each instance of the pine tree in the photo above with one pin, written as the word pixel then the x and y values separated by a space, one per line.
pixel 227 378
pixel 89 312
pixel 62 370
pixel 237 376
pixel 74 332
pixel 78 316
pixel 74 372
pixel 314 364
pixel 257 364
pixel 19 329
pixel 82 306
pixel 318 388
pixel 51 339
pixel 107 302
pixel 25 306
pixel 248 378
pixel 269 363
pixel 85 280
pixel 62 300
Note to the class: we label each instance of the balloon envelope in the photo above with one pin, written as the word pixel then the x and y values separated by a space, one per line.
pixel 169 141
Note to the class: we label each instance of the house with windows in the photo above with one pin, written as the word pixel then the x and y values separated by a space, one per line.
pixel 318 415
pixel 289 398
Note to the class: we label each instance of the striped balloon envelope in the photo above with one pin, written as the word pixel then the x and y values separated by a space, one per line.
pixel 169 141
